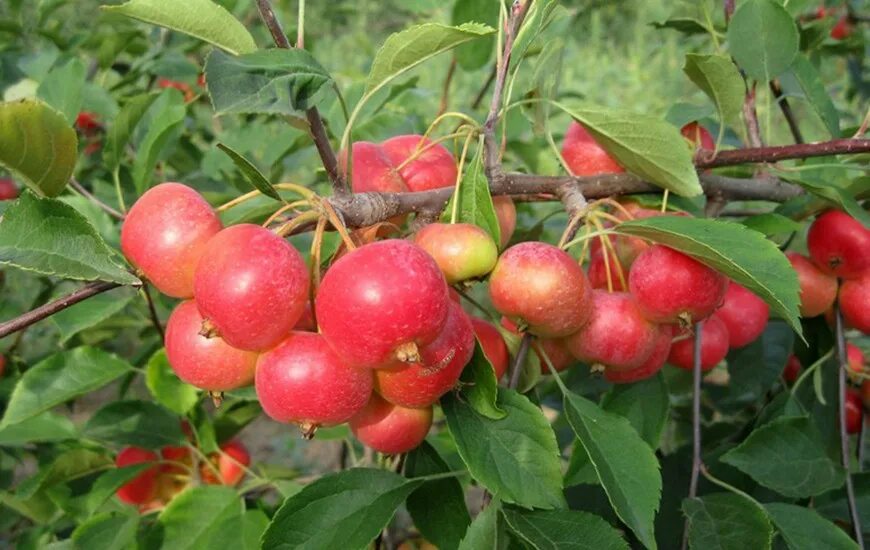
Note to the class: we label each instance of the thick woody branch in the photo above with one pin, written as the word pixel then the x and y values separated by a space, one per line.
pixel 315 123
pixel 783 152
pixel 49 309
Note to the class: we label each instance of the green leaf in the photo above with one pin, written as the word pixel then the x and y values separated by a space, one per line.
pixel 139 423
pixel 254 524
pixel 167 115
pixel 52 238
pixel 718 77
pixel 564 529
pixel 538 17
pixel 816 94
pixel 644 403
pixel 68 465
pixel 787 455
pixel 517 457
pixel 121 130
pixel 804 529
pixel 200 517
pixel 165 386
pixel 646 146
pixel 38 145
pixel 267 81
pixel 404 50
pixel 444 524
pixel 201 19
pixel 476 54
pixel 763 38
pixel 109 531
pixel 103 488
pixel 483 531
pixel 63 89
pixel 771 223
pixel 834 194
pixel 472 201
pixel 90 312
pixel 343 510
pixel 479 386
pixel 726 521
pixel 626 466
pixel 43 428
pixel 734 250
pixel 257 180
pixel 59 378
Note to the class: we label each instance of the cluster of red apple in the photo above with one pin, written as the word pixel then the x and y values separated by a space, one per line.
pixel 174 468
pixel 842 29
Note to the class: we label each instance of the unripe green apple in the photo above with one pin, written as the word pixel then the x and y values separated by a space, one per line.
pixel 463 251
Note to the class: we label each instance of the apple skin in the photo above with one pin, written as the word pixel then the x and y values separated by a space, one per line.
pixel 8 189
pixel 714 346
pixel 252 286
pixel 671 287
pixel 818 289
pixel 463 251
pixel 232 453
pixel 584 156
pixel 165 234
pixel 143 488
pixel 554 349
pixel 493 345
pixel 652 365
pixel 379 297
pixel 207 363
pixel 372 170
pixel 542 286
pixel 698 136
pixel 744 314
pixel 389 428
pixel 506 213
pixel 839 244
pixel 432 169
pixel 854 411
pixel 842 29
pixel 855 303
pixel 854 358
pixel 792 369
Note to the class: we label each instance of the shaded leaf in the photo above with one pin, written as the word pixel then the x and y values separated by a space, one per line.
pixel 59 378
pixel 483 531
pixel 63 89
pixel 732 249
pixel 90 312
pixel 257 180
pixel 139 423
pixel 644 403
pixel 717 77
pixel 42 428
pixel 516 458
pixel 201 19
pixel 804 529
pixel 38 145
pixel 564 529
pixel 166 115
pixel 209 516
pixel 808 78
pixel 52 238
pixel 479 386
pixel 726 521
pixel 763 38
pixel 121 129
pixel 166 387
pixel 109 531
pixel 474 55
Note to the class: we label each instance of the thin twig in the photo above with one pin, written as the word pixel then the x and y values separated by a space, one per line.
pixel 445 91
pixel 783 152
pixel 152 311
pixel 49 309
pixel 696 421
pixel 315 123
pixel 785 107
pixel 517 367
pixel 843 364
pixel 90 196
pixel 478 99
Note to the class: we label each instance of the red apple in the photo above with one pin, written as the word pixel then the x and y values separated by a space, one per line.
pixel 8 189
pixel 542 287
pixel 818 289
pixel 432 168
pixel 792 369
pixel 714 346
pixel 854 411
pixel 165 234
pixel 652 365
pixel 839 244
pixel 143 488
pixel 230 463
pixel 744 314
pixel 506 213
pixel 698 136
pixel 855 303
pixel 584 156
pixel 493 345
pixel 854 358
pixel 842 29
pixel 372 170
pixel 389 428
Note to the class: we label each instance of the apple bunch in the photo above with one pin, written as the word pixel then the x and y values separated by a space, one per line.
pixel 172 469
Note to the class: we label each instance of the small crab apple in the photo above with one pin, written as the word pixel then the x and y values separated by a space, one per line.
pixel 207 363
pixel 698 136
pixel 506 213
pixel 143 488
pixel 252 286
pixel 745 315
pixel 542 287
pixel 672 287
pixel 842 29
pixel 617 335
pixel 855 303
pixel 854 358
pixel 818 289
pixel 714 345
pixel 372 170
pixel 839 244
pixel 652 365
pixel 432 167
pixel 463 251
pixel 389 428
pixel 230 464
pixel 597 272
pixel 380 302
pixel 441 362
pixel 174 472
pixel 492 344
pixel 88 123
pixel 8 189
pixel 584 156
pixel 854 411
pixel 165 233
pixel 303 381
pixel 182 87
pixel 792 369
pixel 554 349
